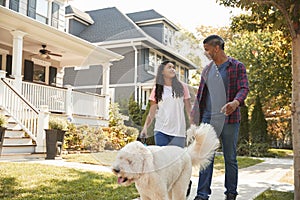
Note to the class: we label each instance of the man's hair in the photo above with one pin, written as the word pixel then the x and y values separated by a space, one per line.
pixel 214 40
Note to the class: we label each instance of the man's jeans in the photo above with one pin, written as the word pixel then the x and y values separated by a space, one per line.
pixel 229 137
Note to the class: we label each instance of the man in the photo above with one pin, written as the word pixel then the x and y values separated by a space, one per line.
pixel 223 88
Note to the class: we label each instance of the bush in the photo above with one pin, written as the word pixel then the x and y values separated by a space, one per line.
pixel 58 123
pixel 255 149
pixel 94 140
pixel 3 121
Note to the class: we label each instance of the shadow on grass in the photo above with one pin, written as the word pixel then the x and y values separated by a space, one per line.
pixel 58 183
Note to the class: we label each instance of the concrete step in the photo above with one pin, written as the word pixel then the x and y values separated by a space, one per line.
pixel 17 141
pixel 15 149
pixel 22 156
pixel 14 133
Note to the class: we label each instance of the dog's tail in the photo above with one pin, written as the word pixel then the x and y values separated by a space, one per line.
pixel 203 142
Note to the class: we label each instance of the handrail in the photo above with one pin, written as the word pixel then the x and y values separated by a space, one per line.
pixel 20 96
pixel 24 113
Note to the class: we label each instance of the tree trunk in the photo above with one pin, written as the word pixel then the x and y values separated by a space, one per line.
pixel 296 113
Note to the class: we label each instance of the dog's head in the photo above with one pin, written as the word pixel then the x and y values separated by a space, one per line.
pixel 131 162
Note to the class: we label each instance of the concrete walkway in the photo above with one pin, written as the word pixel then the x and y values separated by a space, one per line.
pixel 252 180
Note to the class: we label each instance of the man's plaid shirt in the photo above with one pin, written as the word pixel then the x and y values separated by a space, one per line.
pixel 238 88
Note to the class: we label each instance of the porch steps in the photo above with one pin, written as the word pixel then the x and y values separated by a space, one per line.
pixel 15 141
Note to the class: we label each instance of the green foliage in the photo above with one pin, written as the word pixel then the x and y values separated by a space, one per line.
pixel 275 195
pixel 100 138
pixel 135 113
pixel 118 136
pixel 254 149
pixel 258 125
pixel 280 131
pixel 115 117
pixel 244 136
pixel 33 181
pixel 58 123
pixel 150 130
pixel 3 121
pixel 94 140
pixel 267 57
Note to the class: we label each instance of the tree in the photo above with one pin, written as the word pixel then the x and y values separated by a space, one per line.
pixel 258 124
pixel 280 15
pixel 244 127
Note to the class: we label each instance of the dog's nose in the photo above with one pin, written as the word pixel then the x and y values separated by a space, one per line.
pixel 116 169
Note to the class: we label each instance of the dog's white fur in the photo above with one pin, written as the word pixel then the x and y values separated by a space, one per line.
pixel 163 173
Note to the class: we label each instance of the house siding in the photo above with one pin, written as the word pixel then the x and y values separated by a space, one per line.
pixel 75 27
pixel 155 31
pixel 92 76
pixel 123 71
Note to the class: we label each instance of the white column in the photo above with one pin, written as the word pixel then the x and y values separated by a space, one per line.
pixel 2 75
pixel 43 123
pixel 49 14
pixel 17 58
pixel 69 102
pixel 105 88
pixel 135 71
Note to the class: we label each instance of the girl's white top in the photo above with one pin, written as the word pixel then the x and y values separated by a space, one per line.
pixel 170 118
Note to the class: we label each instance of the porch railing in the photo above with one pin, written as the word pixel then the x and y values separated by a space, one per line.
pixel 22 111
pixel 64 100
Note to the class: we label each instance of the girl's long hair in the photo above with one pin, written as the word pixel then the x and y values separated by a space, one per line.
pixel 177 88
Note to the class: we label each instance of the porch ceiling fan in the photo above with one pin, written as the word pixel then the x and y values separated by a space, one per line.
pixel 46 53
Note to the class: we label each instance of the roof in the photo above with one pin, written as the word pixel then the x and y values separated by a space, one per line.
pixel 70 10
pixel 149 16
pixel 110 24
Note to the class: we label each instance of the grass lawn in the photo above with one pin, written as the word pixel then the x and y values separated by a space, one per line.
pixel 31 181
pixel 275 195
pixel 38 182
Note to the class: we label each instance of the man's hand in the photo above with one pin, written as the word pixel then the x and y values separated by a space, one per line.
pixel 230 107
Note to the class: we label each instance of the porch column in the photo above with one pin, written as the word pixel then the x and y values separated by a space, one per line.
pixel 105 88
pixel 69 102
pixel 2 75
pixel 17 58
pixel 43 123
pixel 49 14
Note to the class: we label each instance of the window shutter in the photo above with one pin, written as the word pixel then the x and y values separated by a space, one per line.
pixel 1 68
pixel 28 70
pixel 31 9
pixel 14 5
pixel 8 65
pixel 52 75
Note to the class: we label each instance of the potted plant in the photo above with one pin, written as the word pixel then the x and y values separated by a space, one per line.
pixel 55 136
pixel 3 123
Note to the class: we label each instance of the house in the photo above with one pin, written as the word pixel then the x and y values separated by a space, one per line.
pixel 144 38
pixel 34 50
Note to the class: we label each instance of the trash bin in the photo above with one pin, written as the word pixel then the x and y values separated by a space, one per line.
pixel 2 132
pixel 54 143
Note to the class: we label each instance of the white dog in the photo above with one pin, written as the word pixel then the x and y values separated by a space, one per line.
pixel 163 173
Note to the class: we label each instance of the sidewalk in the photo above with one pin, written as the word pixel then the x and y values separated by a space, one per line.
pixel 252 180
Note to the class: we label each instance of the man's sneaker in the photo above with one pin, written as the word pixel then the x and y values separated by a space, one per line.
pixel 199 198
pixel 230 196
pixel 189 189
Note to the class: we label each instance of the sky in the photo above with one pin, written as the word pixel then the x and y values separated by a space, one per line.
pixel 189 14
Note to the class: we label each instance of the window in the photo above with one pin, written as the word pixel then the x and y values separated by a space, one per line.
pixel 42 11
pixel 39 73
pixel 168 36
pixel 151 62
pixel 2 2
pixel 55 15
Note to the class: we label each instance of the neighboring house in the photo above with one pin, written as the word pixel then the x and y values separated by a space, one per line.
pixel 34 50
pixel 144 38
